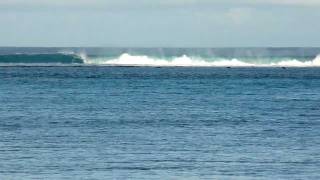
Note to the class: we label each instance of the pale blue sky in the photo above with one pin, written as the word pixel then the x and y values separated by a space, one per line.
pixel 160 23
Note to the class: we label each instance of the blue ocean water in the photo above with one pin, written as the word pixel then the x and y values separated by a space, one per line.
pixel 137 122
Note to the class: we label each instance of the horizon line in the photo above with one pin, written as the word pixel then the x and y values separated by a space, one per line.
pixel 162 47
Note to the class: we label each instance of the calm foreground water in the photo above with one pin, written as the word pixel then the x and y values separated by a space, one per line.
pixel 159 123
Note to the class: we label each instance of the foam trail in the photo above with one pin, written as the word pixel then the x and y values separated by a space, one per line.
pixel 127 59
pixel 295 63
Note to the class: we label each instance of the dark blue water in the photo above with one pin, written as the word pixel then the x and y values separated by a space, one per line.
pixel 159 123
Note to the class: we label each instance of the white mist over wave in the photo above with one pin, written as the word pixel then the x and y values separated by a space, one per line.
pixel 127 59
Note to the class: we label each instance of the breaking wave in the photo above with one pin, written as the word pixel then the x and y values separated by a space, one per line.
pixel 125 59
pixel 142 60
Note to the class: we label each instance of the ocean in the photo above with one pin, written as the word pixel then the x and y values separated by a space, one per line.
pixel 185 57
pixel 159 113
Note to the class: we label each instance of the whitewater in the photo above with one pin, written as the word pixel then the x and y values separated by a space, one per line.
pixel 162 57
pixel 185 61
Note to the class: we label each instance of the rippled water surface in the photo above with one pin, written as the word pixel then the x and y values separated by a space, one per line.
pixel 159 123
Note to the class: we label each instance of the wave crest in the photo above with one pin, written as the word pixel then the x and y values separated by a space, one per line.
pixel 133 60
pixel 127 59
pixel 49 58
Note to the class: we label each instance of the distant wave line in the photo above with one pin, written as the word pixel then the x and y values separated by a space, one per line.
pixel 143 60
pixel 126 59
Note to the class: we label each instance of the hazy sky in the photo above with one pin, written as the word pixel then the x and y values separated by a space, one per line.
pixel 160 23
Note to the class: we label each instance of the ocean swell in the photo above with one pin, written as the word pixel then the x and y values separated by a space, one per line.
pixel 55 58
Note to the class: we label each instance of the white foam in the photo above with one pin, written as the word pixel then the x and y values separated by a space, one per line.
pixel 295 63
pixel 127 59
